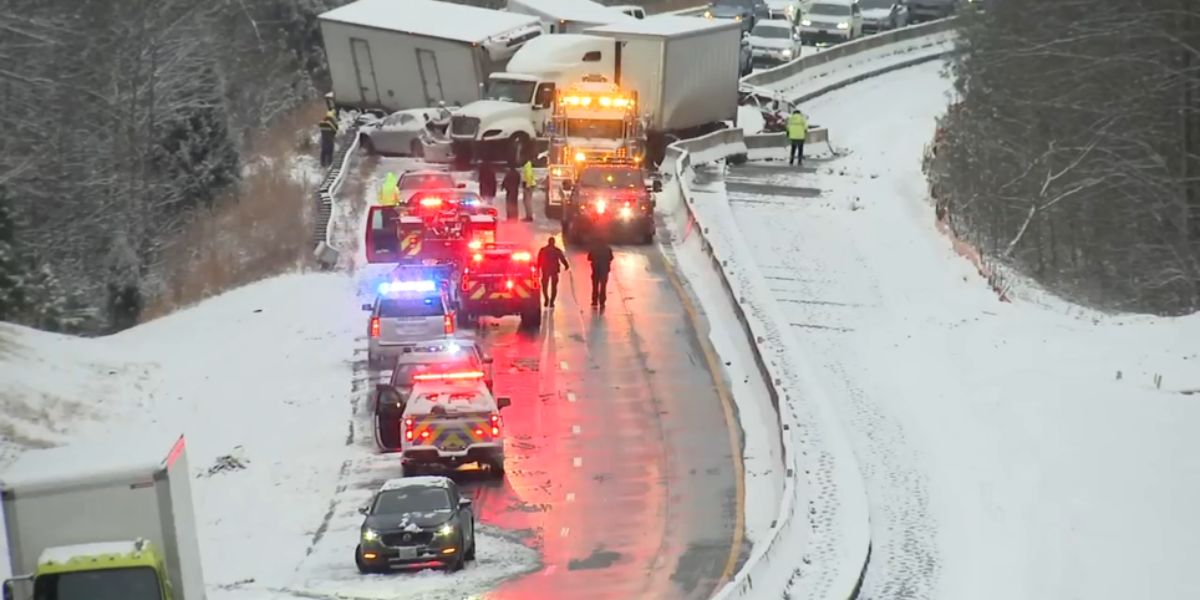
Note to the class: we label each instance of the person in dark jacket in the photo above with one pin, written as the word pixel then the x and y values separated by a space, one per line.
pixel 601 257
pixel 329 130
pixel 487 182
pixel 512 187
pixel 550 257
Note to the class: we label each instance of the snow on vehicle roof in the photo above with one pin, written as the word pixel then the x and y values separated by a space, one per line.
pixel 420 481
pixel 136 455
pixel 430 18
pixel 554 52
pixel 665 25
pixel 583 11
pixel 64 554
pixel 460 396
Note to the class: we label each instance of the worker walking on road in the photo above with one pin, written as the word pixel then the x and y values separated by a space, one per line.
pixel 487 182
pixel 601 257
pixel 530 182
pixel 329 130
pixel 512 185
pixel 797 130
pixel 389 194
pixel 549 259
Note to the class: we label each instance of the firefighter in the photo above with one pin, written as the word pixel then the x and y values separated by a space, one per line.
pixel 797 130
pixel 549 258
pixel 389 194
pixel 530 182
pixel 487 182
pixel 512 184
pixel 329 130
pixel 601 257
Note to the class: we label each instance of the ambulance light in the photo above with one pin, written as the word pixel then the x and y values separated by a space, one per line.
pixel 522 256
pixel 390 287
pixel 452 376
pixel 508 284
pixel 601 206
pixel 431 202
pixel 475 244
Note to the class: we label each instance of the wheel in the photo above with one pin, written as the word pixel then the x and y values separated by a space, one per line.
pixel 363 567
pixel 470 555
pixel 496 467
pixel 531 319
pixel 416 149
pixel 517 144
pixel 367 144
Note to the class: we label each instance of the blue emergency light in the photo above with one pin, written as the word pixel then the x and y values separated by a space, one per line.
pixel 391 287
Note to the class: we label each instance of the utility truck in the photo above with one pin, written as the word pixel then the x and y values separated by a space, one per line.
pixel 684 71
pixel 111 519
pixel 389 56
pixel 567 16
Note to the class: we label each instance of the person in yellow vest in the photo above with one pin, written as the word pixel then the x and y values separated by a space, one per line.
pixel 389 194
pixel 530 182
pixel 329 129
pixel 797 130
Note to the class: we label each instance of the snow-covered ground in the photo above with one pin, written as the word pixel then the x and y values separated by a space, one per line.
pixel 266 382
pixel 1009 450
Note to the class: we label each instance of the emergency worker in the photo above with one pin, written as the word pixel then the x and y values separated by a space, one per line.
pixel 549 259
pixel 329 130
pixel 512 184
pixel 601 257
pixel 389 194
pixel 530 182
pixel 487 182
pixel 797 130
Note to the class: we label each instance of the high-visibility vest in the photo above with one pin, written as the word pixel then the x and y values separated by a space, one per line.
pixel 389 194
pixel 797 127
pixel 527 174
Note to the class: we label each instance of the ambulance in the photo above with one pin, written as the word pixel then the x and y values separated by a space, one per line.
pixel 497 281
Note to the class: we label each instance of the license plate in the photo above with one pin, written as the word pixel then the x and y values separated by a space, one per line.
pixel 453 446
pixel 406 553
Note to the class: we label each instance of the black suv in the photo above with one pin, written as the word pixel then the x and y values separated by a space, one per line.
pixel 609 199
pixel 416 521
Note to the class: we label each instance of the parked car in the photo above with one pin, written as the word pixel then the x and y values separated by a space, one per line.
pixel 921 11
pixel 774 42
pixel 748 12
pixel 882 15
pixel 790 10
pixel 831 22
pixel 397 133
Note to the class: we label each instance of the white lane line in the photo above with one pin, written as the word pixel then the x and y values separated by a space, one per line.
pixel 578 461
pixel 564 531
pixel 570 396
pixel 575 429
pixel 570 496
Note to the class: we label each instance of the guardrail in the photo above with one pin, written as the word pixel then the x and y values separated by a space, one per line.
pixel 325 252
pixel 773 569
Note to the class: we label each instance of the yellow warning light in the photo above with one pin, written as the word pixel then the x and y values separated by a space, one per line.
pixel 585 101
pixel 580 157
pixel 557 172
pixel 605 101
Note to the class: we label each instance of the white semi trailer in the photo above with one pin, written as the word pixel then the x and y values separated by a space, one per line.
pixel 388 56
pixel 567 16
pixel 105 519
pixel 684 71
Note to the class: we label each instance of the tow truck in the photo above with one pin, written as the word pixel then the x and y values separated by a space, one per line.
pixel 592 120
pixel 610 198
pixel 432 226
pixel 448 419
pixel 500 280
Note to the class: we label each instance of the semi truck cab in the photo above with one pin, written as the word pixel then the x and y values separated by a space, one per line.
pixel 129 570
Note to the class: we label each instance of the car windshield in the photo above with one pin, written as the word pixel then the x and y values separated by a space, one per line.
pixel 135 583
pixel 834 10
pixel 509 90
pixel 612 178
pixel 595 128
pixel 431 180
pixel 390 308
pixel 771 31
pixel 730 4
pixel 876 3
pixel 412 500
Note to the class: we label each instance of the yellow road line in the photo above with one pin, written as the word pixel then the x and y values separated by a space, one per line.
pixel 714 370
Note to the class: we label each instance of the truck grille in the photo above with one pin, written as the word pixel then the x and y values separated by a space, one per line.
pixel 464 125
pixel 421 538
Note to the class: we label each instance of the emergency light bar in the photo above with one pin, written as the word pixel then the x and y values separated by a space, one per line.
pixel 390 287
pixel 522 256
pixel 453 376
pixel 604 101
pixel 431 202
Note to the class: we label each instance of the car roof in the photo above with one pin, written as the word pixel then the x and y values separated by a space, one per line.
pixel 424 481
pixel 776 23
pixel 424 173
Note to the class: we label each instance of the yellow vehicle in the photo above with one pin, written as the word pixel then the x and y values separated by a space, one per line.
pixel 594 120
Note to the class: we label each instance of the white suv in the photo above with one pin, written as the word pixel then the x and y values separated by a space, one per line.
pixel 831 22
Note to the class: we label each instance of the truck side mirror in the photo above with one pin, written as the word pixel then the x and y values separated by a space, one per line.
pixel 567 185
pixel 503 402
pixel 657 187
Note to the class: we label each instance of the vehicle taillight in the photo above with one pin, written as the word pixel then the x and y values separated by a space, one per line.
pixel 496 423
pixel 374 327
pixel 466 283
pixel 508 284
pixel 408 429
pixel 431 202
pixel 477 258
pixel 448 322
pixel 601 206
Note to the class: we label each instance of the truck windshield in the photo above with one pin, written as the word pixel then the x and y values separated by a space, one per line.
pixel 612 178
pixel 133 583
pixel 509 90
pixel 595 128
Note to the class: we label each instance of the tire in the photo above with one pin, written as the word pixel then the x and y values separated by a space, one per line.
pixel 470 554
pixel 647 238
pixel 367 144
pixel 457 564
pixel 531 319
pixel 496 468
pixel 416 149
pixel 363 567
pixel 518 145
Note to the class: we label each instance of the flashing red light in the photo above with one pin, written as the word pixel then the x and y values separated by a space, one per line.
pixel 408 429
pixel 176 452
pixel 522 256
pixel 374 327
pixel 475 245
pixel 424 434
pixel 508 284
pixel 451 376
pixel 431 202
pixel 495 425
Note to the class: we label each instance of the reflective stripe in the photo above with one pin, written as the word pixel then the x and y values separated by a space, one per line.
pixel 477 292
pixel 411 244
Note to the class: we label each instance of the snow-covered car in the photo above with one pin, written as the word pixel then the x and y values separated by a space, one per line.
pixel 790 10
pixel 748 12
pixel 774 42
pixel 831 22
pixel 416 520
pixel 882 15
pixel 411 182
pixel 397 133
pixel 920 11
pixel 632 10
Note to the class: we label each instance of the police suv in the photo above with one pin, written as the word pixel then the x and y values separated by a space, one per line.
pixel 407 311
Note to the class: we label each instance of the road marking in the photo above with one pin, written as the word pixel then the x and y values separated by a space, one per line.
pixel 739 469
pixel 578 461
pixel 570 396
pixel 564 531
pixel 575 429
pixel 570 496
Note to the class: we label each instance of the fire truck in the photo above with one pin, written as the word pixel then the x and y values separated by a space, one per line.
pixel 593 120
pixel 434 226
pixel 500 280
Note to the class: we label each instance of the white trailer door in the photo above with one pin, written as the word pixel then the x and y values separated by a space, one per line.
pixel 430 77
pixel 364 67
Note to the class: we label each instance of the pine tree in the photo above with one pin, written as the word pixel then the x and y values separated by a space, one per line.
pixel 12 277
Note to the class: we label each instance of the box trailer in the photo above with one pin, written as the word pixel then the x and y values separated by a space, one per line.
pixel 567 16
pixel 106 518
pixel 389 55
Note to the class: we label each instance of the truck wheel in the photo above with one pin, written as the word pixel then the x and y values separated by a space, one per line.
pixel 417 149
pixel 531 319
pixel 648 238
pixel 466 320
pixel 518 144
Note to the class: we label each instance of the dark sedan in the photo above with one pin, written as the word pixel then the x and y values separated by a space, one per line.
pixel 416 522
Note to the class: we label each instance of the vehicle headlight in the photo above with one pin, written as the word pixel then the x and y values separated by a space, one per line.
pixel 708 14
pixel 805 22
pixel 843 26
pixel 787 52
pixel 446 530
pixel 370 535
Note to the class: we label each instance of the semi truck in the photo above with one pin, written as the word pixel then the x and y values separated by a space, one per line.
pixel 684 71
pixel 388 56
pixel 567 16
pixel 105 519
